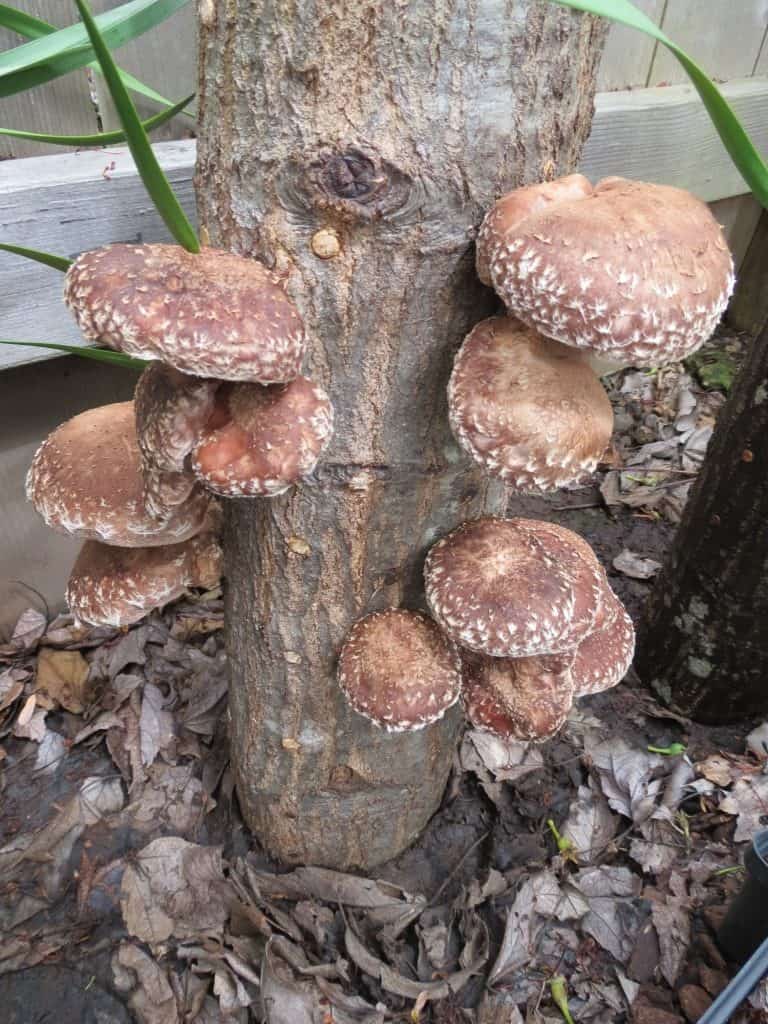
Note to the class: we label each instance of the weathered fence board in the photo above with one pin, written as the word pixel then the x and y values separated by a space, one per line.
pixel 628 54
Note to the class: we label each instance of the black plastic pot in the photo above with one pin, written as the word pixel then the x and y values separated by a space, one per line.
pixel 746 923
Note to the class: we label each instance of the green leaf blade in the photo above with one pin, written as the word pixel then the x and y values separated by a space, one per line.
pixel 101 355
pixel 737 142
pixel 46 258
pixel 49 56
pixel 155 181
pixel 102 138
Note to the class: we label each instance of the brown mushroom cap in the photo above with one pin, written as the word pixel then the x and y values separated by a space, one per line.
pixel 111 586
pixel 527 409
pixel 517 698
pixel 636 272
pixel 515 206
pixel 211 314
pixel 513 587
pixel 86 480
pixel 397 669
pixel 603 658
pixel 262 440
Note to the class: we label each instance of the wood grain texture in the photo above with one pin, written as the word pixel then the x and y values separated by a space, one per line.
pixel 738 216
pixel 394 126
pixel 664 135
pixel 62 106
pixel 724 38
pixel 628 54
pixel 67 204
pixel 748 310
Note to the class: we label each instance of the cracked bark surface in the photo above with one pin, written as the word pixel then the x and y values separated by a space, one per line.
pixel 704 643
pixel 373 133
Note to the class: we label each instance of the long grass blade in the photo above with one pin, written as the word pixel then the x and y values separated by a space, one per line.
pixel 57 262
pixel 735 139
pixel 47 57
pixel 101 355
pixel 33 28
pixel 101 138
pixel 155 182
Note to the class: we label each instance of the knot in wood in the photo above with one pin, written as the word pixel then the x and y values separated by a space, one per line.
pixel 357 183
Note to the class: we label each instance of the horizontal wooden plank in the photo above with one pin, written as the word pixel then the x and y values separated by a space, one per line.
pixel 665 135
pixel 67 204
pixel 76 201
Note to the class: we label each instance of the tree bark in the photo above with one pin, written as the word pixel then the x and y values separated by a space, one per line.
pixel 354 146
pixel 704 644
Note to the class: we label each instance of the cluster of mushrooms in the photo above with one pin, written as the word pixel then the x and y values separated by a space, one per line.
pixel 523 617
pixel 221 410
pixel 524 621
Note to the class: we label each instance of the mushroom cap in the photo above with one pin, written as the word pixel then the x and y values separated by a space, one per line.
pixel 515 206
pixel 513 587
pixel 172 410
pixel 86 481
pixel 211 314
pixel 518 698
pixel 397 669
pixel 111 586
pixel 639 273
pixel 262 440
pixel 527 409
pixel 603 658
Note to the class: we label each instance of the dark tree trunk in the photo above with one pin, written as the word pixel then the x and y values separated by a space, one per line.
pixel 704 646
pixel 354 146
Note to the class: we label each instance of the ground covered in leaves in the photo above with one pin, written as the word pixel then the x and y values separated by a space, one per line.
pixel 586 876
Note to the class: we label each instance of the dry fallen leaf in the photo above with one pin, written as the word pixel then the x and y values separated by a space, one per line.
pixel 63 675
pixel 636 566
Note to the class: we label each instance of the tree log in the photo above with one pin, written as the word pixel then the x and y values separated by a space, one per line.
pixel 704 644
pixel 354 147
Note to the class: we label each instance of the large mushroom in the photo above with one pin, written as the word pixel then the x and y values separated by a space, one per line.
pixel 86 480
pixel 635 272
pixel 513 588
pixel 114 586
pixel 527 409
pixel 210 314
pixel 398 670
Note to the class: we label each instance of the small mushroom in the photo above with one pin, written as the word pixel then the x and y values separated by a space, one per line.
pixel 86 481
pixel 527 409
pixel 518 698
pixel 262 440
pixel 513 587
pixel 210 314
pixel 514 207
pixel 635 272
pixel 114 586
pixel 603 658
pixel 397 669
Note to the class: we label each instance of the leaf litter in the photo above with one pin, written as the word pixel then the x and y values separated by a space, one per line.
pixel 123 854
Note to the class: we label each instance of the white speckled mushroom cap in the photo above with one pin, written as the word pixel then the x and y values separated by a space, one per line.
pixel 513 587
pixel 517 698
pixel 636 272
pixel 112 586
pixel 515 206
pixel 211 314
pixel 262 440
pixel 397 669
pixel 603 658
pixel 527 409
pixel 86 481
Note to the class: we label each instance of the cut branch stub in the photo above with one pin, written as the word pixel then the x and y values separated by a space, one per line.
pixel 86 480
pixel 356 182
pixel 634 272
pixel 210 314
pixel 527 409
pixel 398 670
pixel 113 586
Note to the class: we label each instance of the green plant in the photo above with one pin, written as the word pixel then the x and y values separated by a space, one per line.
pixel 735 139
pixel 81 43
